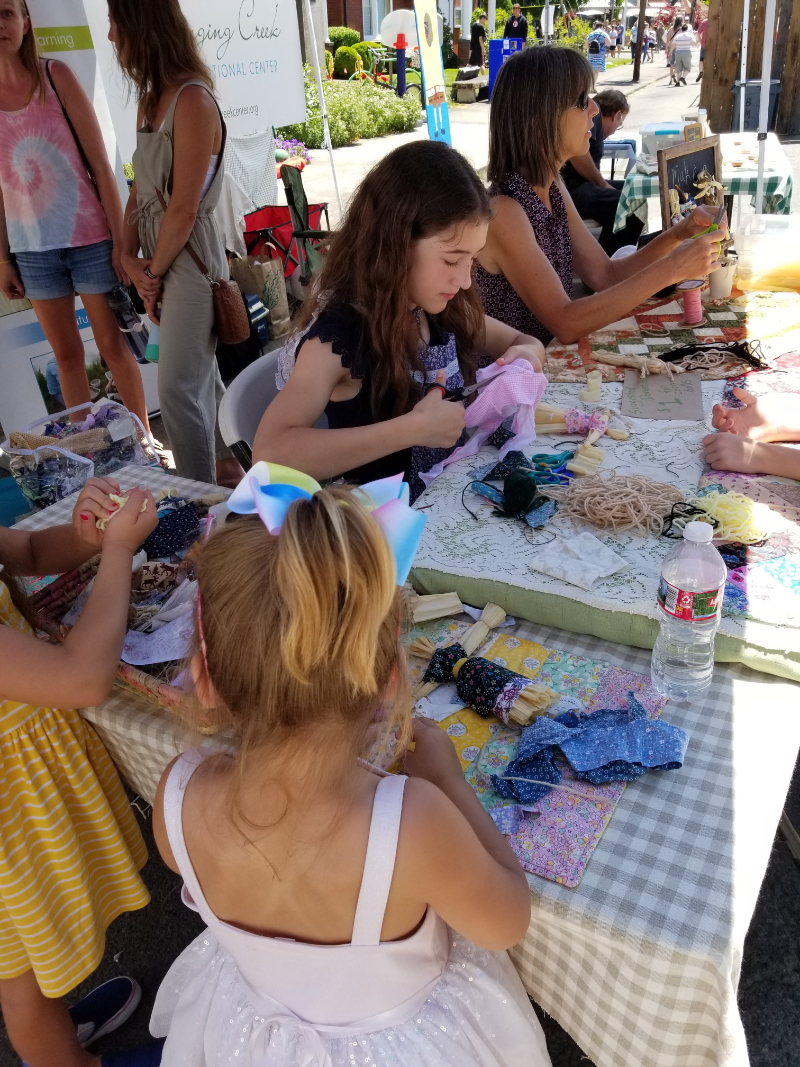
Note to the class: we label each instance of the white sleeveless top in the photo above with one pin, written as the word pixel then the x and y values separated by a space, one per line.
pixel 275 1001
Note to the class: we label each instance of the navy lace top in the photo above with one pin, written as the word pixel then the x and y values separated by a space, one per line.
pixel 344 329
pixel 551 228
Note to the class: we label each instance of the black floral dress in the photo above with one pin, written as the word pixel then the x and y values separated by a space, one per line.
pixel 500 299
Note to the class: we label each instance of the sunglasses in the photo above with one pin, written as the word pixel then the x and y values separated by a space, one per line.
pixel 582 103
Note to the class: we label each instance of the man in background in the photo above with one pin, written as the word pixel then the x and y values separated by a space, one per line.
pixel 477 43
pixel 517 24
pixel 593 196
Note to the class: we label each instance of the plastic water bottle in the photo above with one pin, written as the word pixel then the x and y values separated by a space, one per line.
pixel 151 352
pixel 690 601
pixel 133 329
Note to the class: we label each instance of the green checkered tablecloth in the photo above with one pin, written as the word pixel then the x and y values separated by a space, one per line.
pixel 777 184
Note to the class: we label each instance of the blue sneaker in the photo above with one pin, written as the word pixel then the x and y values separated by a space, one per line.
pixel 105 1009
pixel 144 1056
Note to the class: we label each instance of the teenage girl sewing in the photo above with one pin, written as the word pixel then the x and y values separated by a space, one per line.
pixel 393 313
pixel 70 847
pixel 352 916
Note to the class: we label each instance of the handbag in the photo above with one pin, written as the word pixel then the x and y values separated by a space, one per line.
pixel 263 277
pixel 230 311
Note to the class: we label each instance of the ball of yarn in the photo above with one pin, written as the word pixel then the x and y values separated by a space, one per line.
pixel 521 493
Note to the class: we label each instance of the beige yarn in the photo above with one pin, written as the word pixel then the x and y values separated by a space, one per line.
pixel 617 502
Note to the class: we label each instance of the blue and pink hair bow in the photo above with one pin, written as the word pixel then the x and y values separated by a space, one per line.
pixel 269 489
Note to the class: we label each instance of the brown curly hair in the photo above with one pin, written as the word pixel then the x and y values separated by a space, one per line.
pixel 418 190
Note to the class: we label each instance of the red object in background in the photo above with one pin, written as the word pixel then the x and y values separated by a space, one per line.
pixel 401 41
pixel 275 224
pixel 292 161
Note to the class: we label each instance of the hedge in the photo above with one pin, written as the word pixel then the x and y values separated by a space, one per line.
pixel 342 35
pixel 344 61
pixel 355 110
pixel 364 49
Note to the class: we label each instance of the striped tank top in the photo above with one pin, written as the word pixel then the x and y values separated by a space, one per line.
pixel 49 199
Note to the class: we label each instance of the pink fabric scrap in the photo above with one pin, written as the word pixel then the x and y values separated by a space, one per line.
pixel 511 389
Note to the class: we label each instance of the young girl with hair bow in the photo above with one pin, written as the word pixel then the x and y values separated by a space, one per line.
pixel 353 915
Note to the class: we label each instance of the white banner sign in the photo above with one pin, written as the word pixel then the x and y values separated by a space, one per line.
pixel 253 50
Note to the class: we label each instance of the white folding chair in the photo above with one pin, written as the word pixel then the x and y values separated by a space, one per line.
pixel 245 401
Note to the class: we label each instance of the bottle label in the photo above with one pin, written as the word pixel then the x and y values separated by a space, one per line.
pixel 691 607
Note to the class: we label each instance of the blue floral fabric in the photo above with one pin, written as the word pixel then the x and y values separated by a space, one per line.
pixel 605 746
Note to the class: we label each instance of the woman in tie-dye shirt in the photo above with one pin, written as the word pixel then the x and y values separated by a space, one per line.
pixel 58 236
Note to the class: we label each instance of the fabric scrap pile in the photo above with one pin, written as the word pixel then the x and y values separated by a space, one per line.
pixel 520 497
pixel 602 746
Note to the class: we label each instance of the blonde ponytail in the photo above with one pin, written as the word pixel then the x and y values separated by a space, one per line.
pixel 302 629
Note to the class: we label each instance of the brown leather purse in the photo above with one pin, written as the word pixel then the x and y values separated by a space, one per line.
pixel 230 311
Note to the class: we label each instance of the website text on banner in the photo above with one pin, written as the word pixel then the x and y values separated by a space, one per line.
pixel 253 50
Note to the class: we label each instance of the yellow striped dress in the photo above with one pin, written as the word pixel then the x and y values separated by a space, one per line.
pixel 70 846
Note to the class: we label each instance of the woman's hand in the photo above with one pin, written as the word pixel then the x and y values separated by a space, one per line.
pixel 433 757
pixel 695 258
pixel 729 452
pixel 533 352
pixel 117 263
pixel 151 307
pixel 135 266
pixel 697 221
pixel 10 282
pixel 131 525
pixel 439 422
pixel 93 504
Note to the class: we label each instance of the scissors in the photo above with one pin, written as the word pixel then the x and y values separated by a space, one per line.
pixel 451 394
pixel 715 224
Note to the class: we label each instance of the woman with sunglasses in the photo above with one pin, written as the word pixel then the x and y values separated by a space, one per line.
pixel 542 116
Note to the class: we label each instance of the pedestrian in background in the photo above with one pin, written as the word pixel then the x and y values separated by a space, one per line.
pixel 60 212
pixel 682 50
pixel 477 43
pixel 516 24
pixel 180 140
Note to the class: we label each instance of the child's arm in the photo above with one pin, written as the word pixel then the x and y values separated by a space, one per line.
pixel 286 433
pixel 80 672
pixel 159 825
pixel 61 548
pixel 451 851
pixel 775 417
pixel 505 344
pixel 729 452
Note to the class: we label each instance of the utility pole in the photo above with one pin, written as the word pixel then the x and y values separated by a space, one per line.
pixel 637 55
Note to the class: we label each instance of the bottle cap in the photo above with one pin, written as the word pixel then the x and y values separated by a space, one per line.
pixel 699 532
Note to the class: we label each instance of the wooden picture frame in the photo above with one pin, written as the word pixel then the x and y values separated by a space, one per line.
pixel 687 159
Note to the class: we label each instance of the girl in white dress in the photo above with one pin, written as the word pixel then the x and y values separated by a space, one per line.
pixel 353 917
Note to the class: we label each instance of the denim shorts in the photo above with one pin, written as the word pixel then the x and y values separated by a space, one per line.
pixel 64 271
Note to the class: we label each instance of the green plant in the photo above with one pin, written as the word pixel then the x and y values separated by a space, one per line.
pixel 344 61
pixel 364 49
pixel 501 17
pixel 572 34
pixel 342 35
pixel 476 14
pixel 355 110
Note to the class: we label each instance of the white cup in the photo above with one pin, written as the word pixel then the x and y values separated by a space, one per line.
pixel 721 281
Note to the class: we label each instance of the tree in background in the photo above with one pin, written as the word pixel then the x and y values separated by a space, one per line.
pixel 572 33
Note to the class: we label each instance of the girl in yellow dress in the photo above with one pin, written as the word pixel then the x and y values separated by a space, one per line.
pixel 70 847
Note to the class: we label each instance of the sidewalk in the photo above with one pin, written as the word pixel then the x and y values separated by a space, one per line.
pixel 469 127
